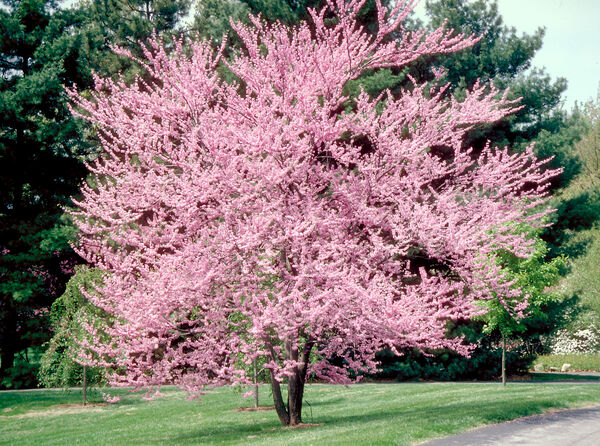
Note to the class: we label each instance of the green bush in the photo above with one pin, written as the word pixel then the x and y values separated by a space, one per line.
pixel 59 365
pixel 57 369
pixel 23 373
pixel 484 363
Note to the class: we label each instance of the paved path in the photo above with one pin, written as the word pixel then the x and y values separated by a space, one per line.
pixel 578 427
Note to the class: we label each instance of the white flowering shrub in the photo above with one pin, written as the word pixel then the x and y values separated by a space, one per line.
pixel 585 340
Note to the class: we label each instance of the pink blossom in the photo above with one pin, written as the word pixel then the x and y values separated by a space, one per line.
pixel 110 399
pixel 255 219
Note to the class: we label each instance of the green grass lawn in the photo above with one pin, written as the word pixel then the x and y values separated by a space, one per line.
pixel 364 414
pixel 558 376
pixel 580 362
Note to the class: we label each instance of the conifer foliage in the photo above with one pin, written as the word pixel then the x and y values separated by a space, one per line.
pixel 267 218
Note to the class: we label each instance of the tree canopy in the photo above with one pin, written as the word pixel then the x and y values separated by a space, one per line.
pixel 264 218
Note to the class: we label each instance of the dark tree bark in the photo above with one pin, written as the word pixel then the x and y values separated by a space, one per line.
pixel 8 360
pixel 503 360
pixel 295 396
pixel 292 414
pixel 84 385
pixel 295 387
pixel 278 401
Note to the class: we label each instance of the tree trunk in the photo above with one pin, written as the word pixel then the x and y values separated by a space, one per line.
pixel 8 341
pixel 255 385
pixel 295 386
pixel 278 401
pixel 292 414
pixel 295 396
pixel 7 360
pixel 503 360
pixel 84 385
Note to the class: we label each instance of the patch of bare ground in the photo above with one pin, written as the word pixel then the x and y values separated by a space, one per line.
pixel 525 377
pixel 60 409
pixel 80 405
pixel 254 409
pixel 303 425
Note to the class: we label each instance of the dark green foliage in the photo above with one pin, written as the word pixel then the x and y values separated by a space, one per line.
pixel 59 366
pixel 547 312
pixel 291 12
pixel 576 232
pixel 501 56
pixel 212 19
pixel 484 362
pixel 574 214
pixel 125 23
pixel 23 373
pixel 578 201
pixel 500 53
pixel 286 11
pixel 43 49
pixel 560 144
pixel 39 170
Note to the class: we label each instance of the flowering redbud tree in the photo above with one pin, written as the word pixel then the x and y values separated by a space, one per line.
pixel 274 218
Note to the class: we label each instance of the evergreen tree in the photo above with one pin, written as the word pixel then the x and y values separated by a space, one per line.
pixel 43 49
pixel 39 170
pixel 212 18
pixel 126 23
pixel 504 57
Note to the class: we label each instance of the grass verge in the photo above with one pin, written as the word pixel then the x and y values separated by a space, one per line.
pixel 557 376
pixel 579 362
pixel 365 414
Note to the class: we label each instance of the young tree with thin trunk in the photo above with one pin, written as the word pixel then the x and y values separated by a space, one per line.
pixel 266 218
pixel 533 278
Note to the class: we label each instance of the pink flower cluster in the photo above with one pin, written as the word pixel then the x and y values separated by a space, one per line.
pixel 259 219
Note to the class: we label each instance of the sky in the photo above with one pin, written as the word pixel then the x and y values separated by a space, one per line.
pixel 571 45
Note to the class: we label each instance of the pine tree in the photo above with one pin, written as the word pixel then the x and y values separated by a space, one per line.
pixel 503 57
pixel 43 49
pixel 126 23
pixel 39 170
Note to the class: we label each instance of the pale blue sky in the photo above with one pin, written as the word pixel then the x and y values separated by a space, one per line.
pixel 572 42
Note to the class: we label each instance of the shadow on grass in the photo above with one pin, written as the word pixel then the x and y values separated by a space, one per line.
pixel 561 377
pixel 233 431
pixel 443 419
pixel 320 403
